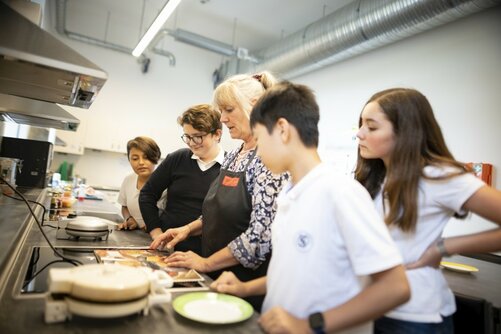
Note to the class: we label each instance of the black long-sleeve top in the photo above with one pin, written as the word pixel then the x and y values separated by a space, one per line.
pixel 186 186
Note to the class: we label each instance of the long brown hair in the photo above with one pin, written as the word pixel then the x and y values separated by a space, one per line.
pixel 418 143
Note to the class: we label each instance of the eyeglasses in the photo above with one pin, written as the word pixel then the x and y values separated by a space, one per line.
pixel 197 140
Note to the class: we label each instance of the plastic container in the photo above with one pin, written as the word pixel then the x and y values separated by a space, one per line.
pixel 8 170
pixel 56 180
pixel 81 192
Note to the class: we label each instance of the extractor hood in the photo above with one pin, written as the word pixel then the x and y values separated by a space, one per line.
pixel 37 113
pixel 36 65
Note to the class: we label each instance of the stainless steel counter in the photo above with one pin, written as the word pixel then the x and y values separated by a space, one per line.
pixel 14 222
pixel 24 314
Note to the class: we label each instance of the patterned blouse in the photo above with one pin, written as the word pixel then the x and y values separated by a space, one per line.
pixel 251 247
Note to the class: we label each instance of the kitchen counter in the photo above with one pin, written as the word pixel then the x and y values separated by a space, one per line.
pixel 484 284
pixel 25 313
pixel 14 222
pixel 478 295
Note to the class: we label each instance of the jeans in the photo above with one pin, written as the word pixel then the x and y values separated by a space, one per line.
pixel 386 325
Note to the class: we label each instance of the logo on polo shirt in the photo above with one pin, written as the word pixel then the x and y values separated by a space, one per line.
pixel 304 241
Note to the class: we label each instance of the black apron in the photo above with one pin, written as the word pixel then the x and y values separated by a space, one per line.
pixel 226 214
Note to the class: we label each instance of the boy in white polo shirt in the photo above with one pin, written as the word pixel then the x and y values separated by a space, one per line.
pixel 334 265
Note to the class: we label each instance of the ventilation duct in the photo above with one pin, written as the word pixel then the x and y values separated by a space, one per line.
pixel 359 27
pixel 202 42
pixel 356 28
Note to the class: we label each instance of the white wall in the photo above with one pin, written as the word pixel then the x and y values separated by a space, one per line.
pixel 457 66
pixel 130 97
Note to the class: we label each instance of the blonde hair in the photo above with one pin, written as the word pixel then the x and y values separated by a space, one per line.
pixel 242 89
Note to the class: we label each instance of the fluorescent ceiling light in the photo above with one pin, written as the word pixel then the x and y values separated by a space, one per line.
pixel 169 7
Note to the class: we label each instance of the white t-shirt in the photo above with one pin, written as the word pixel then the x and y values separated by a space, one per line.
pixel 129 197
pixel 438 200
pixel 327 237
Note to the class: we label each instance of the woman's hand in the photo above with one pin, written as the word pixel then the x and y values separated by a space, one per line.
pixel 430 258
pixel 128 224
pixel 278 321
pixel 170 238
pixel 227 282
pixel 189 260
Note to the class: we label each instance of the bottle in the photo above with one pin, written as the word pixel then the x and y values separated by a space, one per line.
pixel 81 192
pixel 56 180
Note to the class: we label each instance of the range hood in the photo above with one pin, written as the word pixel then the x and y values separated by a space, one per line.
pixel 36 65
pixel 36 113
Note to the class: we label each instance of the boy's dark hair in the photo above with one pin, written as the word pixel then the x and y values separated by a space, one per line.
pixel 293 102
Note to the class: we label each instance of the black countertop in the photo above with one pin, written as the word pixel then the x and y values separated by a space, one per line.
pixel 14 221
pixel 484 284
pixel 25 314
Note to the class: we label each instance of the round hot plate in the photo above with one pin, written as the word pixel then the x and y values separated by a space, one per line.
pixel 104 283
pixel 86 226
pixel 104 291
pixel 105 310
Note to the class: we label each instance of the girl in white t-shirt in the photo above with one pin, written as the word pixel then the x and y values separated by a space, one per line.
pixel 143 154
pixel 417 186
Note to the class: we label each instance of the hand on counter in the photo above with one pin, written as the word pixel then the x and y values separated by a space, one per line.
pixel 230 284
pixel 170 238
pixel 188 260
pixel 129 224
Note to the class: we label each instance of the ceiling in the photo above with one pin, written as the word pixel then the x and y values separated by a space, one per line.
pixel 259 27
pixel 248 24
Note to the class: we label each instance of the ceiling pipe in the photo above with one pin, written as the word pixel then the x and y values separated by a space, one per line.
pixel 354 29
pixel 359 27
pixel 206 43
pixel 61 29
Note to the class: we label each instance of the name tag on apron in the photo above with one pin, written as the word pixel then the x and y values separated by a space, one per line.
pixel 229 181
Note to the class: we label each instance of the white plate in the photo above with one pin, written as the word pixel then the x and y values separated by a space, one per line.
pixel 212 307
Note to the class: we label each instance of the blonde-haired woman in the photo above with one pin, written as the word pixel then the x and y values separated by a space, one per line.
pixel 240 206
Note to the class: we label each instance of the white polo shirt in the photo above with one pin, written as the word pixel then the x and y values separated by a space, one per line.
pixel 438 200
pixel 326 237
pixel 206 165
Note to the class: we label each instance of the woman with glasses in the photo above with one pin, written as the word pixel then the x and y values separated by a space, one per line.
pixel 240 206
pixel 186 174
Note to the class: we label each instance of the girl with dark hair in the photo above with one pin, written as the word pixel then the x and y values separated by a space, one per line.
pixel 417 186
pixel 143 154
